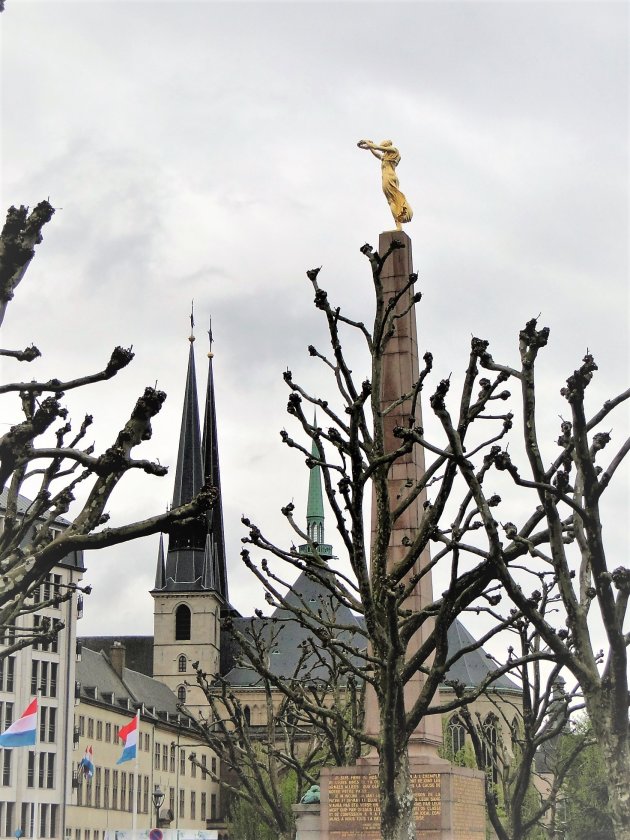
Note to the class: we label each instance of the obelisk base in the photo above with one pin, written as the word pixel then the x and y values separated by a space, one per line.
pixel 449 802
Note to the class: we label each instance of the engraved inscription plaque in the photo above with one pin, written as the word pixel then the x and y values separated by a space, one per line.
pixel 353 805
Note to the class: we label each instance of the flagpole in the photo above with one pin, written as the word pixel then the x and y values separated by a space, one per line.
pixel 35 833
pixel 134 812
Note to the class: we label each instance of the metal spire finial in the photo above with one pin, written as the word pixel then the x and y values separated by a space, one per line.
pixel 210 339
pixel 191 338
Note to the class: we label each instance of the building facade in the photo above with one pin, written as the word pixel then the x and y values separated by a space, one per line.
pixel 170 756
pixel 35 783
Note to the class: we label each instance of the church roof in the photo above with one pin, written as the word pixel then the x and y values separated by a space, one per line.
pixel 289 637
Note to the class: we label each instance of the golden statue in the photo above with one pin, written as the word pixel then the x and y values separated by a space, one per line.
pixel 389 157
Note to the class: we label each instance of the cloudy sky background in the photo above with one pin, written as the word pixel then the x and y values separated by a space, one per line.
pixel 207 151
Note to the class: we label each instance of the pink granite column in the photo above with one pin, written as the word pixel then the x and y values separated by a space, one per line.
pixel 400 372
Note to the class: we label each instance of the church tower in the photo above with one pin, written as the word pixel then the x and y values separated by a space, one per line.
pixel 190 592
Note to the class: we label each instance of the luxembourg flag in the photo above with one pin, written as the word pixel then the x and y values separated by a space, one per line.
pixel 129 734
pixel 87 763
pixel 22 733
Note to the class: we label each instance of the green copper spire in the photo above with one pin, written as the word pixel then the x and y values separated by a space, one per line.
pixel 315 511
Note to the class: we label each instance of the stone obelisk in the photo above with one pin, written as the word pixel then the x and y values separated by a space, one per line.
pixel 400 373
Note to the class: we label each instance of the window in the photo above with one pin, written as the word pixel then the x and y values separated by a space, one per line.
pixel 247 712
pixel 43 714
pixel 193 768
pixel 145 796
pixel 182 804
pixel 116 731
pixel 53 679
pixel 8 714
pixel 123 790
pixel 106 788
pixel 81 725
pixel 108 733
pixel 54 818
pixel 99 730
pixel 43 818
pixel 10 673
pixel 131 791
pixel 203 766
pixel 90 729
pixel 42 769
pixel 202 815
pixel 193 805
pixel 182 623
pixel 165 758
pixel 52 724
pixel 171 799
pixel 147 742
pixel 213 806
pixel 490 756
pixel 115 789
pixel 97 787
pixel 156 757
pixel 181 664
pixel 30 776
pixel 181 693
pixel 182 762
pixel 34 676
pixel 213 765
pixel 43 678
pixel 456 735
pixel 50 772
pixel 6 767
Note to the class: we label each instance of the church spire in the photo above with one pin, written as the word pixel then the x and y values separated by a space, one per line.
pixel 315 509
pixel 215 568
pixel 186 545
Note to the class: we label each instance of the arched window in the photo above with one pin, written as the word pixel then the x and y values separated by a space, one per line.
pixel 247 712
pixel 456 734
pixel 490 757
pixel 181 693
pixel 181 664
pixel 182 623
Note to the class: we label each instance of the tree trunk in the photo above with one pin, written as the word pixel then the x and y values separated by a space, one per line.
pixel 618 762
pixel 396 798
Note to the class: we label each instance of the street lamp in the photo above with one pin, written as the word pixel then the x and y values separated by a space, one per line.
pixel 158 799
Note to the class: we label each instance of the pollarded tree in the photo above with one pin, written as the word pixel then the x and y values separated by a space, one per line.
pixel 360 455
pixel 41 452
pixel 588 633
pixel 524 753
pixel 264 755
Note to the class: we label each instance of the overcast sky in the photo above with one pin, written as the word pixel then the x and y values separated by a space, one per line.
pixel 207 151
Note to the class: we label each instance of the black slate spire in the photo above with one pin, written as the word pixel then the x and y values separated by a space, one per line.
pixel 215 568
pixel 186 545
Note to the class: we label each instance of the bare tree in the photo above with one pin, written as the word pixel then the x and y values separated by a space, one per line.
pixel 521 749
pixel 356 463
pixel 43 453
pixel 289 745
pixel 593 592
pixel 459 520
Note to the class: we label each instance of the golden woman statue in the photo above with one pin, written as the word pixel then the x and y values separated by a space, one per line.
pixel 389 157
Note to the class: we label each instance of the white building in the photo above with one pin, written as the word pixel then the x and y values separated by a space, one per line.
pixel 34 783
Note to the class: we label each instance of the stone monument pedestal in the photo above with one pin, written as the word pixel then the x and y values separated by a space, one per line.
pixel 449 802
pixel 307 819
